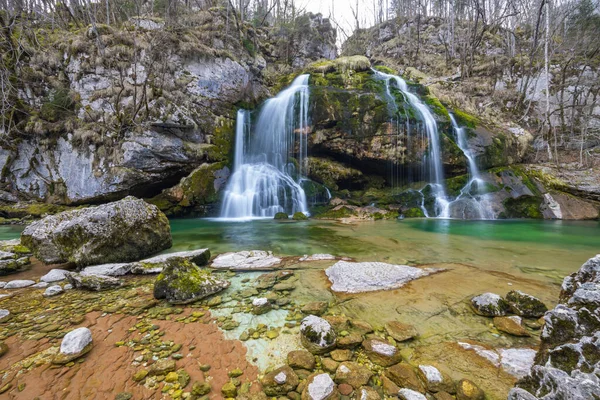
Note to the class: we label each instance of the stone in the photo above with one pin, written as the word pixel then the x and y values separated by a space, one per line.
pixel 381 352
pixel 339 322
pixel 92 282
pixel 140 375
pixel 162 367
pixel 399 331
pixel 345 389
pixel 268 280
pixel 525 305
pixel 408 394
pixel 19 284
pixel 12 265
pixel 361 327
pixel 229 390
pixel 319 387
pixel 329 364
pixel 118 269
pixel 368 393
pixel 201 388
pixel 53 290
pixel 351 277
pixel 54 275
pixel 246 260
pixel 317 257
pixel 511 325
pixel 261 306
pixel 317 335
pixel 155 265
pixel 124 396
pixel 75 344
pixel 435 380
pixel 490 305
pixel 341 355
pixel 405 376
pixel 301 359
pixel 3 349
pixel 353 374
pixel 40 285
pixel 517 362
pixel 467 390
pixel 121 231
pixel 389 387
pixel 182 282
pixel 350 341
pixel 443 396
pixel 315 308
pixel 280 381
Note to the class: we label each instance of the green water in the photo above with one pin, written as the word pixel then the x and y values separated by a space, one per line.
pixel 551 249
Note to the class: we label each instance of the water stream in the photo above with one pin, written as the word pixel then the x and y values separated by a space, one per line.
pixel 433 158
pixel 266 177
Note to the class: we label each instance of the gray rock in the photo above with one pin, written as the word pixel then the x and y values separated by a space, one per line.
pixel 54 275
pixel 4 315
pixel 351 277
pixel 317 335
pixel 319 387
pixel 156 264
pixel 525 305
pixel 408 394
pixel 18 284
pixel 92 282
pixel 74 345
pixel 53 290
pixel 118 269
pixel 121 231
pixel 2 284
pixel 490 305
pixel 40 285
pixel 246 260
pixel 68 286
pixel 11 265
pixel 381 352
pixel 181 282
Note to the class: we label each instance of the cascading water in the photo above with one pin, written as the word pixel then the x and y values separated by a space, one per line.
pixel 432 160
pixel 265 179
pixel 472 202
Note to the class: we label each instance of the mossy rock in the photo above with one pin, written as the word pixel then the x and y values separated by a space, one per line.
pixel 182 282
pixel 523 207
pixel 337 213
pixel 281 216
pixel 414 212
pixel 299 216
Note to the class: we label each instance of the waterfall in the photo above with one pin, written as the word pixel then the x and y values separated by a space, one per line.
pixel 472 202
pixel 432 160
pixel 266 179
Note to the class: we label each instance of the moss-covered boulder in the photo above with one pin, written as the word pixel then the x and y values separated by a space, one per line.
pixel 299 216
pixel 525 305
pixel 490 305
pixel 281 216
pixel 92 282
pixel 182 282
pixel 121 231
pixel 317 335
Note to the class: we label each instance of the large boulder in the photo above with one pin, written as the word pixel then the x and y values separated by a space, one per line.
pixel 567 362
pixel 525 304
pixel 122 231
pixel 317 335
pixel 182 281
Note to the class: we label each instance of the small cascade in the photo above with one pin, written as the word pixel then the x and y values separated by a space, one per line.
pixel 473 201
pixel 266 178
pixel 432 160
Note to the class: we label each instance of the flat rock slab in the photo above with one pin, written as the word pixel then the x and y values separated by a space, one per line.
pixel 155 265
pixel 246 261
pixel 108 269
pixel 55 275
pixel 359 277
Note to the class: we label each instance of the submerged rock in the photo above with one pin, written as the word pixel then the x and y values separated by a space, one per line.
pixel 75 344
pixel 319 387
pixel 155 265
pixel 184 282
pixel 467 390
pixel 408 394
pixel 260 306
pixel 122 231
pixel 246 260
pixel 405 376
pixel 351 277
pixel 267 281
pixel 381 352
pixel 435 380
pixel 55 275
pixel 317 335
pixel 19 283
pixel 511 325
pixel 315 308
pixel 317 257
pixel 399 331
pixel 525 305
pixel 53 290
pixel 301 359
pixel 353 374
pixel 92 282
pixel 280 381
pixel 490 305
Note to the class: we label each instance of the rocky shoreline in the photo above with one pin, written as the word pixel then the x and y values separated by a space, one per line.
pixel 243 325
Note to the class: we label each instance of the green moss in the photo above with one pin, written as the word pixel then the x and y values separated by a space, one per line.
pixel 464 119
pixel 523 207
pixel 414 212
pixel 455 185
pixel 436 106
pixel 342 212
pixel 281 215
pixel 58 105
pixel 35 210
pixel 299 216
pixel 385 69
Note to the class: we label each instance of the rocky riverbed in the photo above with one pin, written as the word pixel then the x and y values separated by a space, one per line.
pixel 254 324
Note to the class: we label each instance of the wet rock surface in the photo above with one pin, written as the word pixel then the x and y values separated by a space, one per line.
pixel 125 230
pixel 567 362
pixel 317 335
pixel 490 305
pixel 92 282
pixel 246 260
